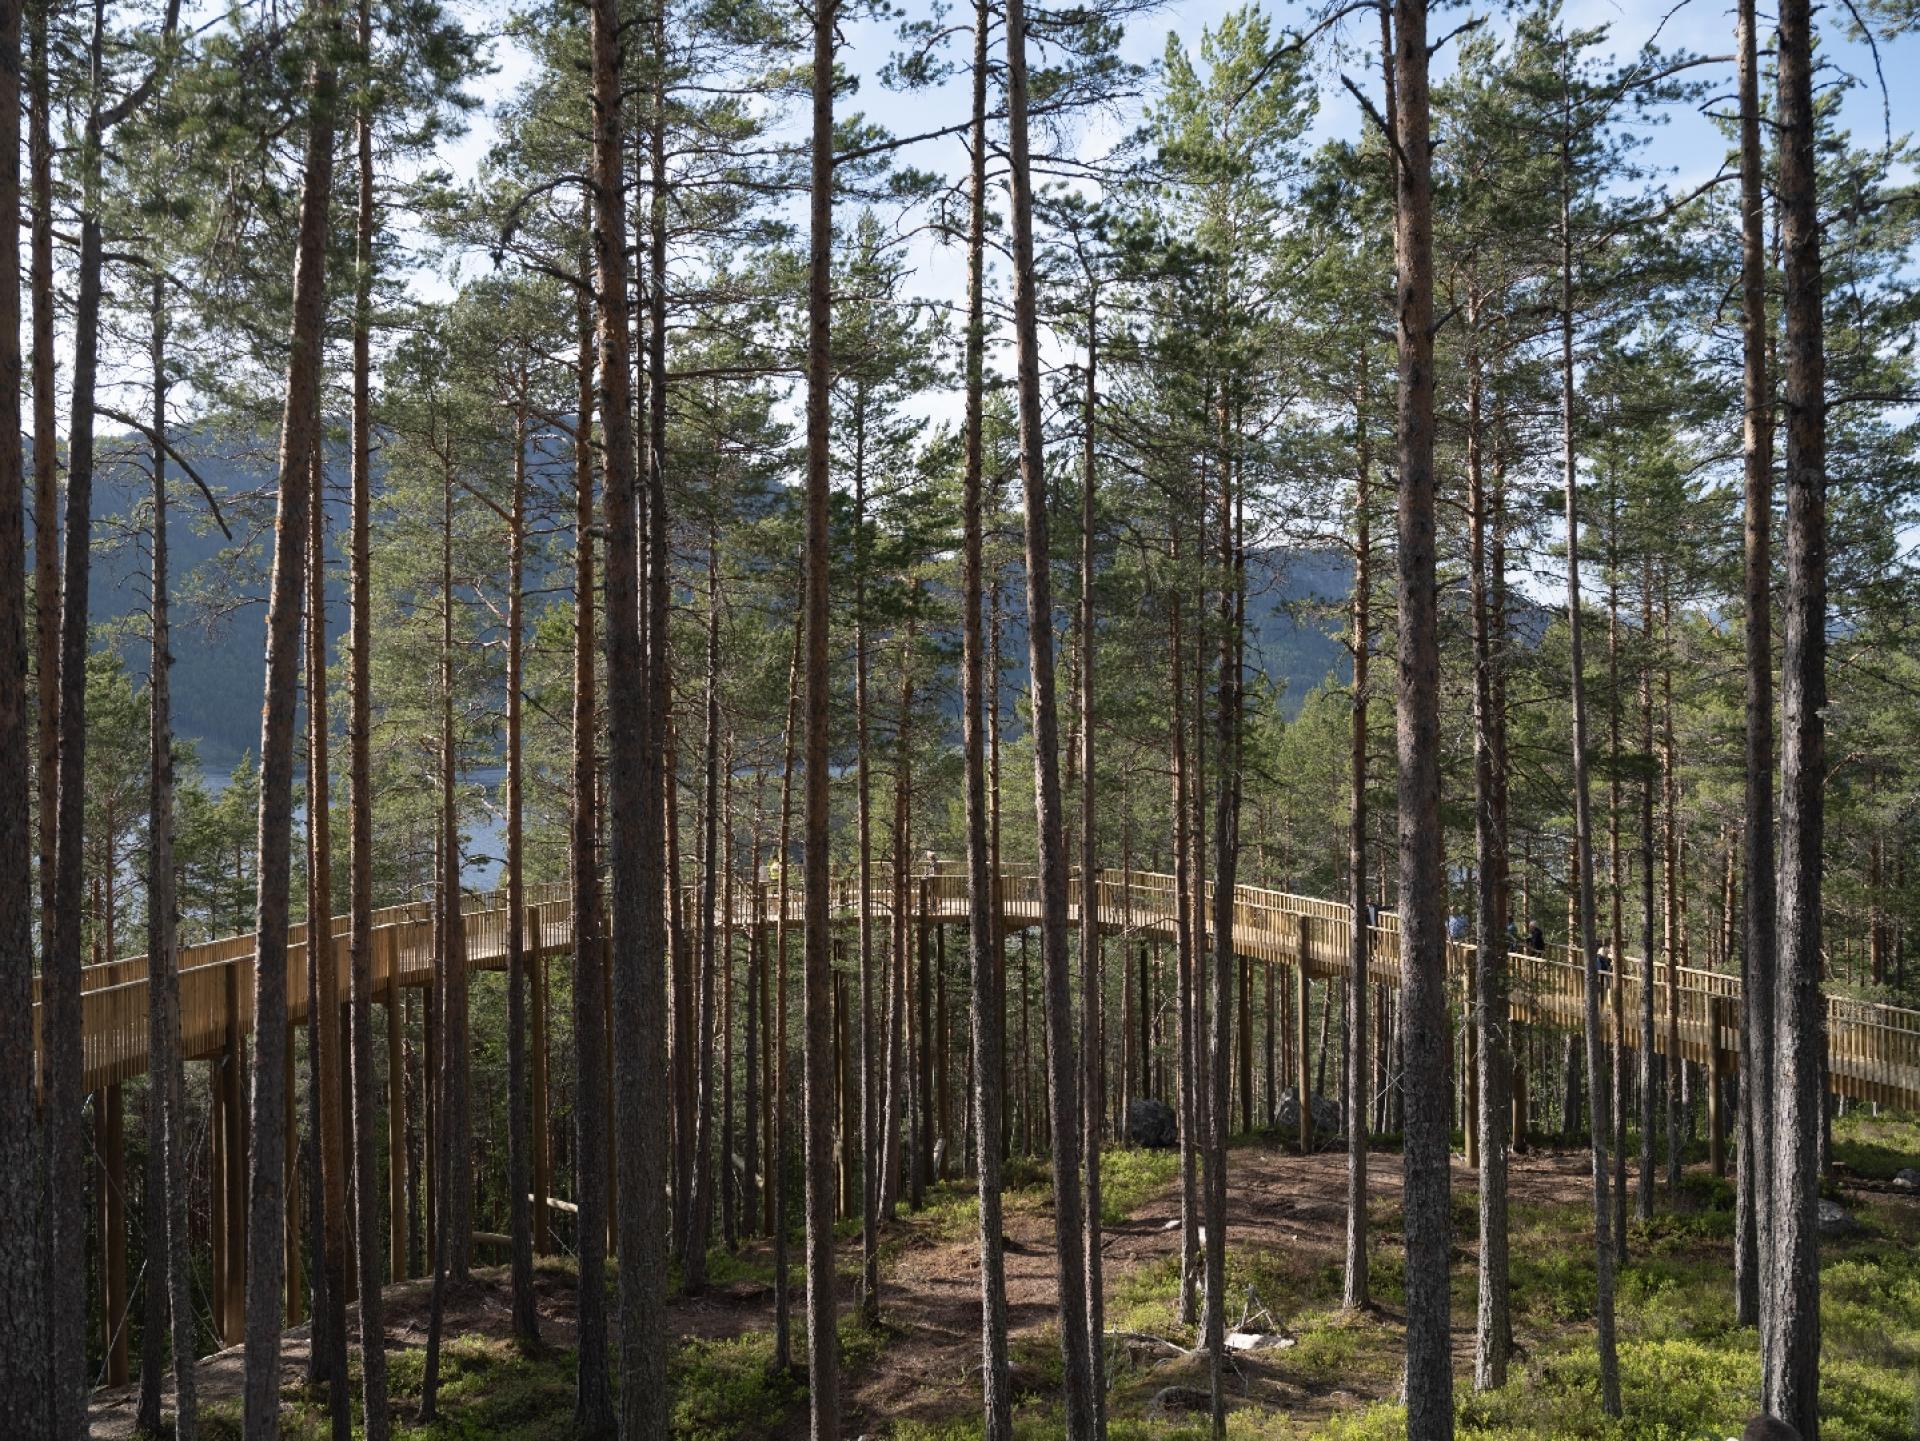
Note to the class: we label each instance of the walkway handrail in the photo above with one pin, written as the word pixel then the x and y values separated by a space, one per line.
pixel 1874 1049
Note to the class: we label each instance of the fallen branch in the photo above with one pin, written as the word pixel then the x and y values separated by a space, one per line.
pixel 1151 1340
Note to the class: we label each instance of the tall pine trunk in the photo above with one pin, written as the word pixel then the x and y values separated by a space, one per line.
pixel 778 1099
pixel 699 1218
pixel 822 1339
pixel 324 1049
pixel 634 740
pixel 1092 1091
pixel 1599 1126
pixel 1226 852
pixel 266 1193
pixel 1062 1067
pixel 983 914
pixel 526 1320
pixel 1493 1328
pixel 593 1392
pixel 1426 1183
pixel 360 798
pixel 1753 1202
pixel 23 1319
pixel 63 1095
pixel 1355 1292
pixel 1791 1317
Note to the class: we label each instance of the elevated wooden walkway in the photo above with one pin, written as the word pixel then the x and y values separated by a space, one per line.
pixel 1874 1049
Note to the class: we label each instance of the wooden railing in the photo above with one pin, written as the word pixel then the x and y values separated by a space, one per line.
pixel 1873 1049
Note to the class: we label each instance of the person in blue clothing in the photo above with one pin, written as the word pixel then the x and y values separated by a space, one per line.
pixel 1456 927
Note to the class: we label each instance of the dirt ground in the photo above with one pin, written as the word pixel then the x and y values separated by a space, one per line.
pixel 931 1289
pixel 1275 1199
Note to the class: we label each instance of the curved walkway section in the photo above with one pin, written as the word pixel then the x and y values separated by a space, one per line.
pixel 1873 1049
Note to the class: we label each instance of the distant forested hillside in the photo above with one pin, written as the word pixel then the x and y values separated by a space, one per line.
pixel 1294 611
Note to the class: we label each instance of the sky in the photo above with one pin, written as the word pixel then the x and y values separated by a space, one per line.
pixel 1690 145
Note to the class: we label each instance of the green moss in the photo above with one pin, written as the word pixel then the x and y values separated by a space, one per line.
pixel 728 1388
pixel 1147 1298
pixel 1875 1146
pixel 1130 1177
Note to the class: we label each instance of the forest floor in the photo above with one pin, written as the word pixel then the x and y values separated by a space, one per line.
pixel 1687 1370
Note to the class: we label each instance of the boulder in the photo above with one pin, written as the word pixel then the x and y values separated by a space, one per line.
pixel 1151 1123
pixel 1907 1178
pixel 1171 1402
pixel 1834 1219
pixel 1327 1123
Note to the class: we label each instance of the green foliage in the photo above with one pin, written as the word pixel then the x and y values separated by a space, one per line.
pixel 728 1388
pixel 1129 1176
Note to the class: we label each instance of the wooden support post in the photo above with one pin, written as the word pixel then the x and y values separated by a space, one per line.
pixel 613 1115
pixel 844 1090
pixel 542 1139
pixel 429 1089
pixel 293 1191
pixel 1470 1063
pixel 1716 1086
pixel 110 1141
pixel 1303 1058
pixel 399 1216
pixel 1519 1122
pixel 923 1175
pixel 217 1196
pixel 944 1067
pixel 232 1080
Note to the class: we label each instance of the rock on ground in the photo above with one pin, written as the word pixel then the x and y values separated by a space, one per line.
pixel 1151 1123
pixel 1327 1123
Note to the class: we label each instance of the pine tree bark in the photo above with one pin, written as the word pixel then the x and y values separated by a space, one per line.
pixel 325 1052
pixel 450 1163
pixel 1185 944
pixel 988 1025
pixel 373 1265
pixel 1493 1329
pixel 635 743
pixel 593 1392
pixel 1426 1184
pixel 1355 1291
pixel 1062 1066
pixel 169 1276
pixel 1092 1089
pixel 1599 1125
pixel 869 1145
pixel 1675 1066
pixel 779 1100
pixel 1752 1203
pixel 46 462
pixel 1791 1318
pixel 699 1218
pixel 1643 1190
pixel 526 1320
pixel 266 1194
pixel 23 1254
pixel 822 1339
pixel 659 889
pixel 63 1095
pixel 1226 852
pixel 1615 869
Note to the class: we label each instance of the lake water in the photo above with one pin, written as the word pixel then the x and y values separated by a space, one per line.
pixel 484 850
